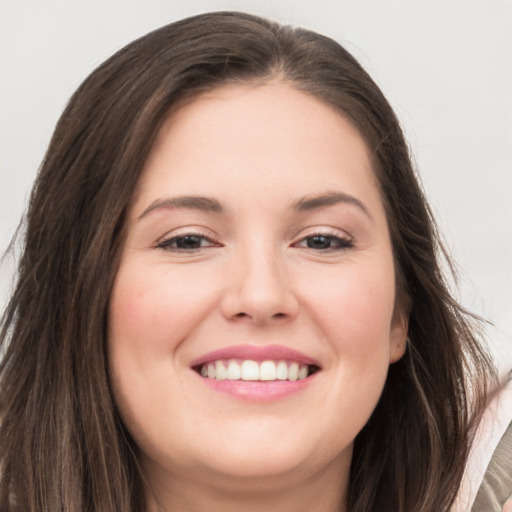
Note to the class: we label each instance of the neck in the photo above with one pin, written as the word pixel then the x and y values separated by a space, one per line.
pixel 321 491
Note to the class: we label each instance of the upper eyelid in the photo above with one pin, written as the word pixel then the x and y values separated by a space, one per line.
pixel 304 233
pixel 166 239
pixel 323 231
pixel 190 230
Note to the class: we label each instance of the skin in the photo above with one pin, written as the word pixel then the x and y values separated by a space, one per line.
pixel 256 150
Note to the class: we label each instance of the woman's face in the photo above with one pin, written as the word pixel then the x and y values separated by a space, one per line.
pixel 252 320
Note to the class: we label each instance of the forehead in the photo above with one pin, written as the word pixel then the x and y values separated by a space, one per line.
pixel 234 115
pixel 250 137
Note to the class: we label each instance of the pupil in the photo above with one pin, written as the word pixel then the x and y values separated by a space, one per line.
pixel 319 242
pixel 188 242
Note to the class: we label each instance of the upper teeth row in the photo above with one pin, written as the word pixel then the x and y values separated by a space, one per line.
pixel 254 370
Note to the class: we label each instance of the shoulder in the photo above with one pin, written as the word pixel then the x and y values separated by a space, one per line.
pixel 488 473
pixel 496 485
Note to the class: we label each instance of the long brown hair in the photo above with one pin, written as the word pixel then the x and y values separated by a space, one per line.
pixel 62 443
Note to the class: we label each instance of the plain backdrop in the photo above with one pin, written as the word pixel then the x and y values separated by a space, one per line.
pixel 445 66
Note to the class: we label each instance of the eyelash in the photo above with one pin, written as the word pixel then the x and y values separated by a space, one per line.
pixel 340 243
pixel 168 242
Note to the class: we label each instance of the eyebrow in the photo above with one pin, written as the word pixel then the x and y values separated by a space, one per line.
pixel 205 204
pixel 208 204
pixel 307 203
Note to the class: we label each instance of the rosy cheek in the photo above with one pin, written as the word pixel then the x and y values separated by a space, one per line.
pixel 355 309
pixel 153 308
pixel 136 310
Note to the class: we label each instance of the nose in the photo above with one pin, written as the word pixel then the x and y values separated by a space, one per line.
pixel 259 290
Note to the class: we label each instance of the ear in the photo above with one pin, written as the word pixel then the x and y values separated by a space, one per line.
pixel 398 336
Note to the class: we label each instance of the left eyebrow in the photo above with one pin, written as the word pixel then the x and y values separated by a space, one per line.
pixel 205 204
pixel 307 203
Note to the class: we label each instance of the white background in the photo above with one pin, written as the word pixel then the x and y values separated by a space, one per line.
pixel 445 66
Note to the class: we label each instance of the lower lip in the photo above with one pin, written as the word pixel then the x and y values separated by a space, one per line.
pixel 258 391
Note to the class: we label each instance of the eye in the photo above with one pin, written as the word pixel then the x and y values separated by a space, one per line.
pixel 325 242
pixel 187 242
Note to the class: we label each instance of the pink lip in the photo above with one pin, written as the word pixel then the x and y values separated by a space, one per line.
pixel 256 391
pixel 256 353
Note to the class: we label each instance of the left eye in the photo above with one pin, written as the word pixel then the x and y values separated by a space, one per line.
pixel 325 242
pixel 187 242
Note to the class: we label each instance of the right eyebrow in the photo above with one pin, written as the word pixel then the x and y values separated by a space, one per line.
pixel 205 204
pixel 320 201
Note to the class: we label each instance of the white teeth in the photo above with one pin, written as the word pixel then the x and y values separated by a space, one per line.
pixel 222 373
pixel 233 372
pixel 293 371
pixel 211 371
pixel 268 370
pixel 282 371
pixel 250 370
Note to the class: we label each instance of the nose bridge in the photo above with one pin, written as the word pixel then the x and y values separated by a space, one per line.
pixel 259 287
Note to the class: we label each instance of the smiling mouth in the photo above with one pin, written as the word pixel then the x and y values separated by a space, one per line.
pixel 256 371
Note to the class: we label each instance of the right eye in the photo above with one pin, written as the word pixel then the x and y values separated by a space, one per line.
pixel 188 242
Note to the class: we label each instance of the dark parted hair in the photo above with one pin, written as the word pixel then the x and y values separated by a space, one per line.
pixel 63 446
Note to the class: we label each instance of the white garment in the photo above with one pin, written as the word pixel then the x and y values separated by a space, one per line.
pixel 495 421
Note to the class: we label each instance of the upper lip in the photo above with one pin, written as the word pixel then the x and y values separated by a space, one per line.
pixel 256 353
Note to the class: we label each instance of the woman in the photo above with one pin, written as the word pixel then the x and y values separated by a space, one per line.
pixel 230 295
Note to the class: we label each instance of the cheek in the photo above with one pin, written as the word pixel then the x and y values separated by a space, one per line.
pixel 149 318
pixel 354 306
pixel 149 311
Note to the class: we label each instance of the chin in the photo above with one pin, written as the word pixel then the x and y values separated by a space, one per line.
pixel 264 461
